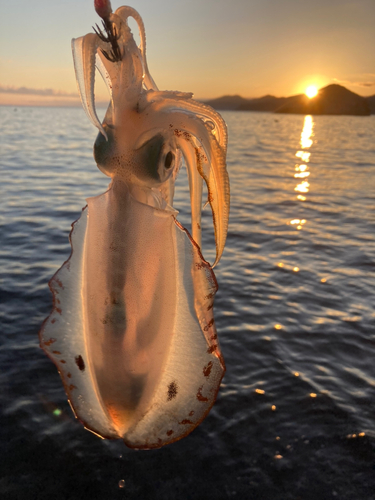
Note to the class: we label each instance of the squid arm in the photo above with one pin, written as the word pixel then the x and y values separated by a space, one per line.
pixel 125 12
pixel 84 52
pixel 205 159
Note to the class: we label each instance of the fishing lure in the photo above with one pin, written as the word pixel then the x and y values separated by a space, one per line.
pixel 132 331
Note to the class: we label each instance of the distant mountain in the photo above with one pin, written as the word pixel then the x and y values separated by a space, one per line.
pixel 238 103
pixel 331 100
pixel 371 103
pixel 227 102
pixel 265 103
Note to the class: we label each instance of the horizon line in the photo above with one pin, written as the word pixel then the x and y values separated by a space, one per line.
pixel 48 97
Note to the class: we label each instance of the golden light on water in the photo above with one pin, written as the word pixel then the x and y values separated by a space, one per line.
pixel 300 222
pixel 311 91
pixel 303 187
pixel 301 175
pixel 302 169
pixel 306 134
pixel 304 155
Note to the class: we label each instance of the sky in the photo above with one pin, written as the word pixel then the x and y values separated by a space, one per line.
pixel 208 47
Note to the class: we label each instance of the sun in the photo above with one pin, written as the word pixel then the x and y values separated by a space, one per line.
pixel 311 91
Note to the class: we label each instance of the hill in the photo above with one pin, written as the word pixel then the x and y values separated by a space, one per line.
pixel 227 102
pixel 331 100
pixel 371 103
pixel 265 103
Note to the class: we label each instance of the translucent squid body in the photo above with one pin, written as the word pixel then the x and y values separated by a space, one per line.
pixel 132 329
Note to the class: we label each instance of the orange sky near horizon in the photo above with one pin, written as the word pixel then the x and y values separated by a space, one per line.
pixel 245 47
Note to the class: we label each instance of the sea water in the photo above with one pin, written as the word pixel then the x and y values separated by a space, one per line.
pixel 295 416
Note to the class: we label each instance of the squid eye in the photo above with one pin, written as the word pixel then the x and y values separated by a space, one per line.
pixel 169 160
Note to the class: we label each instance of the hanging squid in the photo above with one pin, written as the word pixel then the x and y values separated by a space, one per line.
pixel 132 331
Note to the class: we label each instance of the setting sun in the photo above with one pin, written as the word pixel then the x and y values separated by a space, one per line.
pixel 311 91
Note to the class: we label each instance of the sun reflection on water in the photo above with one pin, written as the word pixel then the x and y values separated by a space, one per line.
pixel 304 155
pixel 306 140
pixel 302 170
pixel 302 175
pixel 303 187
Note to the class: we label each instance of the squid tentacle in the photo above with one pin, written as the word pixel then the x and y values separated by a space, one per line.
pixel 104 74
pixel 195 186
pixel 84 52
pixel 206 113
pixel 216 182
pixel 125 12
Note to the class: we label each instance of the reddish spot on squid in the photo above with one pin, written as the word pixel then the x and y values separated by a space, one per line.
pixel 200 397
pixel 207 369
pixel 49 342
pixel 80 363
pixel 172 391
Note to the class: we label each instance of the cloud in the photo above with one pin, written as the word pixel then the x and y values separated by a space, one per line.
pixel 358 83
pixel 366 84
pixel 40 92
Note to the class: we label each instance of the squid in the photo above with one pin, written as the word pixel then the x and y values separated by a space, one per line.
pixel 132 331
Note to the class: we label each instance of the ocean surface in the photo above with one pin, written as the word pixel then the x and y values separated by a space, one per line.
pixel 295 416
